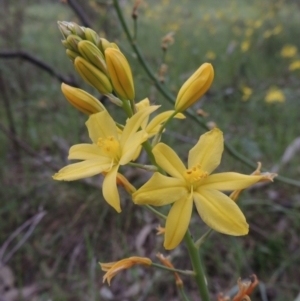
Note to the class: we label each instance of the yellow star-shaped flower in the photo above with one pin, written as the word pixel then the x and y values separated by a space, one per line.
pixel 109 150
pixel 195 183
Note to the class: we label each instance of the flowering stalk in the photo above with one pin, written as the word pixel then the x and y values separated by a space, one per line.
pixel 163 90
pixel 197 267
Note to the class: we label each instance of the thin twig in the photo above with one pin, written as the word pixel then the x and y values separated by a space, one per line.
pixel 11 54
pixel 27 148
pixel 31 223
pixel 167 94
pixel 80 13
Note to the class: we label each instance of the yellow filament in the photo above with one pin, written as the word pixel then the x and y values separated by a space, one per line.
pixel 110 146
pixel 195 174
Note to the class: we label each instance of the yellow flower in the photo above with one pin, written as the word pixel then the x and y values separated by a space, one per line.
pixel 245 46
pixel 289 51
pixel 109 150
pixel 194 87
pixel 210 55
pixel 120 73
pixel 82 100
pixel 247 92
pixel 274 95
pixel 113 268
pixel 196 184
pixel 294 65
pixel 152 127
pixel 277 30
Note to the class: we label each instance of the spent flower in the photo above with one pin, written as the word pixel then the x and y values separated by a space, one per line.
pixel 113 268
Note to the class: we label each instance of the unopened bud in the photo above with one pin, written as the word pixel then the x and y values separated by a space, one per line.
pixel 63 27
pixel 82 100
pixel 114 45
pixel 77 30
pixel 103 44
pixel 92 54
pixel 93 76
pixel 73 41
pixel 72 54
pixel 91 36
pixel 194 87
pixel 120 73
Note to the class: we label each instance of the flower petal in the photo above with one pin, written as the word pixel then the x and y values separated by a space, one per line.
pixel 101 125
pixel 208 151
pixel 110 190
pixel 220 212
pixel 160 190
pixel 154 125
pixel 86 151
pixel 178 221
pixel 134 123
pixel 228 181
pixel 81 170
pixel 132 144
pixel 168 160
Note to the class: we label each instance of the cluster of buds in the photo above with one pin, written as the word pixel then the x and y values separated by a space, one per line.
pixel 102 65
pixel 99 62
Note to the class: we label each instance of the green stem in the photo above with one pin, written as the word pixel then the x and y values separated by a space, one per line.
pixel 162 89
pixel 150 208
pixel 197 266
pixel 142 166
pixel 157 137
pixel 203 238
pixel 135 28
pixel 163 267
pixel 127 108
pixel 183 294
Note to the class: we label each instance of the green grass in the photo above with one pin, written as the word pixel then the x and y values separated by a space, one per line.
pixel 79 228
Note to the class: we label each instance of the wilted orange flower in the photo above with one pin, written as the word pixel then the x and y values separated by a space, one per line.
pixel 113 268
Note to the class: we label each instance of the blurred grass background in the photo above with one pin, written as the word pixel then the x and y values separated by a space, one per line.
pixel 253 46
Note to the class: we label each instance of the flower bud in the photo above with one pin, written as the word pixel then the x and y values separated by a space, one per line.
pixel 72 55
pixel 92 54
pixel 82 100
pixel 120 73
pixel 93 76
pixel 77 30
pixel 194 87
pixel 103 44
pixel 91 36
pixel 63 27
pixel 73 41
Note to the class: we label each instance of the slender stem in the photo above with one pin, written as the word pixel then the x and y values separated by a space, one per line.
pixel 203 238
pixel 163 267
pixel 150 208
pixel 148 148
pixel 162 89
pixel 132 105
pixel 162 127
pixel 135 28
pixel 183 294
pixel 142 166
pixel 127 108
pixel 197 266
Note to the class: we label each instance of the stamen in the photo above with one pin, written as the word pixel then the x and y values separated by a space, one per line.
pixel 110 146
pixel 195 174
